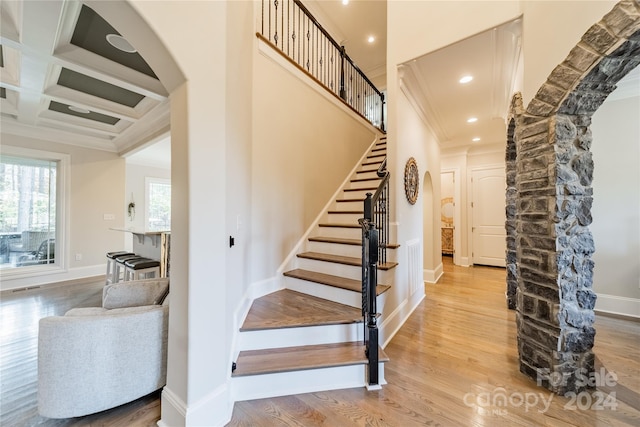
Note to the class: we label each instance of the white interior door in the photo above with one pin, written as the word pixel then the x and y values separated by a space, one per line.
pixel 488 216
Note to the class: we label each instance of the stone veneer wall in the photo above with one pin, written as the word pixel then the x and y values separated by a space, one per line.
pixel 553 197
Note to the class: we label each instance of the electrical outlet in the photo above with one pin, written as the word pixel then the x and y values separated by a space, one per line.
pixel 78 257
pixel 109 217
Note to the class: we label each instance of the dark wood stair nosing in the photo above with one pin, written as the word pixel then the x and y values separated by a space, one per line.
pixel 344 241
pixel 344 260
pixel 345 212
pixel 331 280
pixel 360 189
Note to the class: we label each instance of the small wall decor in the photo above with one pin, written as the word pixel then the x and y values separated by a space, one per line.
pixel 411 180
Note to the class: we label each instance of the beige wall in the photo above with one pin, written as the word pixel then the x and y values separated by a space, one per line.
pixel 97 188
pixel 304 147
pixel 550 30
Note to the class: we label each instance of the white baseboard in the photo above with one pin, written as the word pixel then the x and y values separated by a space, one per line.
pixel 43 277
pixel 392 323
pixel 432 276
pixel 214 409
pixel 618 305
pixel 464 261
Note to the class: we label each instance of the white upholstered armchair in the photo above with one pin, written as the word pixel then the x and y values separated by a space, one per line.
pixel 96 358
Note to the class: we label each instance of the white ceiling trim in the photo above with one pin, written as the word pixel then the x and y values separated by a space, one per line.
pixel 57 135
pixel 418 93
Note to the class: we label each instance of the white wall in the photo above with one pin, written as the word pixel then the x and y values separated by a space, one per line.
pixel 465 161
pixel 97 188
pixel 616 202
pixel 135 188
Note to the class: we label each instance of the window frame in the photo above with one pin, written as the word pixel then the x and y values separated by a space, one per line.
pixel 63 203
pixel 148 180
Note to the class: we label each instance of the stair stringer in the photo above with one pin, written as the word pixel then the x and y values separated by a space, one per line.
pixel 290 261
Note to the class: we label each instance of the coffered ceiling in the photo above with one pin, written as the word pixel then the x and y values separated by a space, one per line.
pixel 69 76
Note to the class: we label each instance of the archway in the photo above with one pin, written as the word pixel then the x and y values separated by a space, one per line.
pixel 555 300
pixel 432 265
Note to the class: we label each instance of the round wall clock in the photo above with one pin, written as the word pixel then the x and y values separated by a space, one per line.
pixel 411 180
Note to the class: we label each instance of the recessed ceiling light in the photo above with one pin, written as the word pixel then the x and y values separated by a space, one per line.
pixel 371 39
pixel 466 79
pixel 472 119
pixel 345 2
pixel 79 109
pixel 476 139
pixel 120 43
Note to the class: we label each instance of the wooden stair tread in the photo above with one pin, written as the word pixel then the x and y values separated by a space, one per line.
pixel 377 178
pixel 330 280
pixel 361 189
pixel 290 309
pixel 340 225
pixel 343 241
pixel 287 359
pixel 350 200
pixel 372 162
pixel 361 212
pixel 340 259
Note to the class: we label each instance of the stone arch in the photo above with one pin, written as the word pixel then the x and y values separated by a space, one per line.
pixel 555 300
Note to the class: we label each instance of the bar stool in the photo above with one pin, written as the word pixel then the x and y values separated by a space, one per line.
pixel 119 265
pixel 111 264
pixel 134 268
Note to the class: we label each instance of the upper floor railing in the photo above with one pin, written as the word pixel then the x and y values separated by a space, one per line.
pixel 292 29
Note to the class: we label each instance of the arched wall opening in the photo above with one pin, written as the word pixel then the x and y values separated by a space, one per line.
pixel 555 299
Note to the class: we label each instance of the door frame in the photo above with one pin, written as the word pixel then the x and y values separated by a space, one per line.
pixel 457 213
pixel 470 172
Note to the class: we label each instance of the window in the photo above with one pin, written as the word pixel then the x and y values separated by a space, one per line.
pixel 31 204
pixel 158 204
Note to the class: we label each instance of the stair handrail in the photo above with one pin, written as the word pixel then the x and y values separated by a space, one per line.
pixel 316 52
pixel 374 245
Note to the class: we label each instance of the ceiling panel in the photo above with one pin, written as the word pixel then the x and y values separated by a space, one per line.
pixel 91 33
pixel 89 85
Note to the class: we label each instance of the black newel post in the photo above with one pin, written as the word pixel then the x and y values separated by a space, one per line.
pixel 372 326
pixel 382 111
pixel 343 93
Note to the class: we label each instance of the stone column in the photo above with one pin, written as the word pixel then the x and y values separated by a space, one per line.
pixel 555 300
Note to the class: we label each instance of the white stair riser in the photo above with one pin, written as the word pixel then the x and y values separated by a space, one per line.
pixel 335 269
pixel 341 232
pixel 342 296
pixel 299 382
pixel 292 337
pixel 345 250
pixel 349 206
pixel 340 218
pixel 334 249
pixel 360 194
pixel 368 174
pixel 364 184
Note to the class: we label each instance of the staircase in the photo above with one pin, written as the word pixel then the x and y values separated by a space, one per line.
pixel 309 336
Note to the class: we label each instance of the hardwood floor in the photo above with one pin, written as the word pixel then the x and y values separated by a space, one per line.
pixel 454 355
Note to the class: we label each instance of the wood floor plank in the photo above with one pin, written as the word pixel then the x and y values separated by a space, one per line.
pixel 459 340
